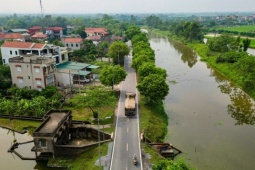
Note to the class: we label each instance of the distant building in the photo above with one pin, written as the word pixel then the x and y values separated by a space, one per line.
pixel 35 29
pixel 54 32
pixel 73 43
pixel 13 49
pixel 96 39
pixel 96 31
pixel 21 31
pixel 39 36
pixel 14 37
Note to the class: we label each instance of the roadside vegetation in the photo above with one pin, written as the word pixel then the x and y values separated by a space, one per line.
pixel 85 160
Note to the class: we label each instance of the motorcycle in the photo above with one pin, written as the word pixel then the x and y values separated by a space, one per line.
pixel 135 161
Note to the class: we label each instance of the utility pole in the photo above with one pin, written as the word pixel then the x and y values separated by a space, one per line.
pixel 95 114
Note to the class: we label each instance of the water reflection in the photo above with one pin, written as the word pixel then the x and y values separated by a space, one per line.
pixel 188 55
pixel 242 108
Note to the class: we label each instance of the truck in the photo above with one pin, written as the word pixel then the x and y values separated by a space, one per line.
pixel 130 104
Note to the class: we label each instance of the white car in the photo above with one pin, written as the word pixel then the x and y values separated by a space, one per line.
pixel 84 80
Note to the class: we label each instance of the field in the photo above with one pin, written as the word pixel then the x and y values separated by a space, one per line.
pixel 243 28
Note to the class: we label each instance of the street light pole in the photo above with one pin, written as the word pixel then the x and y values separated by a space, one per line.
pixel 95 114
pixel 98 141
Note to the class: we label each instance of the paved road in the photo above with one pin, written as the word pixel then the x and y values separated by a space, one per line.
pixel 127 137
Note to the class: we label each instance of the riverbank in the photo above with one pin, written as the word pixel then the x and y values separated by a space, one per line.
pixel 224 68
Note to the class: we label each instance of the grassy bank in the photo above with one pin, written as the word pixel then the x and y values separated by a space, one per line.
pixel 153 120
pixel 225 69
pixel 20 125
pixel 252 44
pixel 83 161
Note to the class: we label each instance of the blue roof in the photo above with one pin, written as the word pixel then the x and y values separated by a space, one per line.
pixel 72 65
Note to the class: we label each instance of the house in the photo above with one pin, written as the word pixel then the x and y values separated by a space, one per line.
pixel 21 31
pixel 54 32
pixel 73 43
pixel 70 73
pixel 2 35
pixel 96 39
pixel 13 49
pixel 32 71
pixel 14 37
pixel 96 31
pixel 39 36
pixel 33 30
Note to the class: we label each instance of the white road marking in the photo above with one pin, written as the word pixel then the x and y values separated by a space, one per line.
pixel 127 146
pixel 127 129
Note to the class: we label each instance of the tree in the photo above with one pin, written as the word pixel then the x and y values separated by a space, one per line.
pixel 102 49
pixel 5 77
pixel 117 52
pixel 81 31
pixel 139 37
pixel 150 68
pixel 246 44
pixel 154 88
pixel 131 31
pixel 111 75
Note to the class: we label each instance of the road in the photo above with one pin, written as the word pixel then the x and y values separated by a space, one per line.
pixel 127 136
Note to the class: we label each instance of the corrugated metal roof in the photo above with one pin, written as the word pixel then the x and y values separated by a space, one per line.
pixel 92 66
pixel 72 65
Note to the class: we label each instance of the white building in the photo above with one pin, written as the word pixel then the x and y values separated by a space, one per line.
pixel 14 49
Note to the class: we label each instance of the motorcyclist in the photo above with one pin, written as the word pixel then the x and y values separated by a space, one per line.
pixel 135 158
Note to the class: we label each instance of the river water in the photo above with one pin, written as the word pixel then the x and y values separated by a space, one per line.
pixel 9 161
pixel 210 119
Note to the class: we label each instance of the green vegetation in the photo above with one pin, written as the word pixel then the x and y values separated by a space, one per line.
pixel 99 98
pixel 238 28
pixel 112 75
pixel 153 120
pixel 241 72
pixel 83 161
pixel 19 125
pixel 30 102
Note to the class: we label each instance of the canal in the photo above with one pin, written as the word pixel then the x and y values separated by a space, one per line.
pixel 210 119
pixel 11 161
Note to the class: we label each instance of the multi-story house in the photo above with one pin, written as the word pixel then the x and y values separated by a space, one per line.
pixel 96 31
pixel 13 49
pixel 73 43
pixel 32 71
pixel 34 30
pixel 39 36
pixel 54 32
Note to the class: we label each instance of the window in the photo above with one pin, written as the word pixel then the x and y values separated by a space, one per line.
pixel 37 70
pixel 76 45
pixel 67 44
pixel 20 81
pixel 28 77
pixel 71 45
pixel 42 142
pixel 3 61
pixel 18 68
pixel 11 52
pixel 38 82
pixel 16 52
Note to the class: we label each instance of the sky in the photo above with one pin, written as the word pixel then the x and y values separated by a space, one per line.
pixel 125 6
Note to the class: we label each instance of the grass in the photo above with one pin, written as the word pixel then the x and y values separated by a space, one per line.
pixel 83 161
pixel 153 120
pixel 20 125
pixel 242 28
pixel 225 69
pixel 252 44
